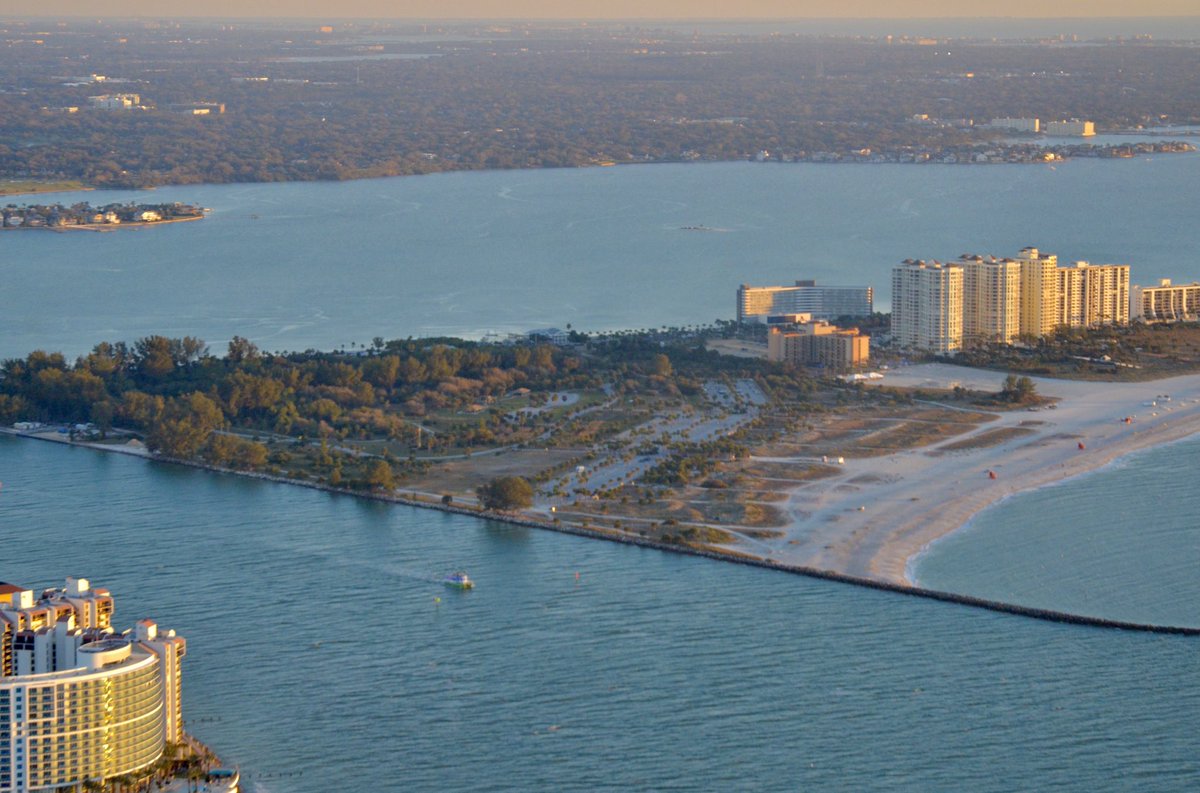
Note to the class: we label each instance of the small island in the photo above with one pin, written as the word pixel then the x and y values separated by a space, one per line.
pixel 84 216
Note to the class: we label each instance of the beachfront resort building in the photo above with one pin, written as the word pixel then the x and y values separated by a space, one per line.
pixel 1165 302
pixel 1039 292
pixel 758 303
pixel 1091 295
pixel 79 702
pixel 818 344
pixel 927 306
pixel 1002 299
pixel 991 299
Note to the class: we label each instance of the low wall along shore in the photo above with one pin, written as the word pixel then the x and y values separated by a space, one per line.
pixel 1047 615
pixel 704 552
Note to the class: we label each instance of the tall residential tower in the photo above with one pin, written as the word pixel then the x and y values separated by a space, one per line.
pixel 927 305
pixel 991 299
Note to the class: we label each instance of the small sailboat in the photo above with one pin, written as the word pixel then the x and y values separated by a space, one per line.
pixel 459 580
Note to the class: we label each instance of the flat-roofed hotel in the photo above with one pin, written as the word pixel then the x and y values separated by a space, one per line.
pixel 1166 302
pixel 79 702
pixel 757 303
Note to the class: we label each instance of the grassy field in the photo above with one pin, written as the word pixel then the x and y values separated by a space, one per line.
pixel 8 188
pixel 985 439
pixel 460 477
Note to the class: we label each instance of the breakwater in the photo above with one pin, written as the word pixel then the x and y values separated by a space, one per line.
pixel 1047 615
pixel 1031 612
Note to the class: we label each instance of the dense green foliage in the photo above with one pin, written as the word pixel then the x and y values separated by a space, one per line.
pixel 506 492
pixel 416 398
pixel 693 461
pixel 1018 389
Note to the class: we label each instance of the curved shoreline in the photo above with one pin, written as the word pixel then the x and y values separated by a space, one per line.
pixel 915 559
pixel 716 554
pixel 1046 615
pixel 880 513
pixel 880 556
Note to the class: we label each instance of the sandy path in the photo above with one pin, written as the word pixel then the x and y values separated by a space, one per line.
pixel 879 512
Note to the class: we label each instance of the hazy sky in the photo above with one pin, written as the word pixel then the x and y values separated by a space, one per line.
pixel 619 9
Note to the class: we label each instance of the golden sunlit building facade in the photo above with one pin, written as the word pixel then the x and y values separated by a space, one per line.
pixel 756 303
pixel 819 344
pixel 1165 302
pixel 1039 292
pixel 79 702
pixel 991 300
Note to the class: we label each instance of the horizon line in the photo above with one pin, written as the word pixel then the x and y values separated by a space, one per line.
pixel 765 18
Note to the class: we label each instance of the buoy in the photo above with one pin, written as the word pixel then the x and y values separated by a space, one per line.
pixel 577 575
pixel 991 474
pixel 437 600
pixel 1081 446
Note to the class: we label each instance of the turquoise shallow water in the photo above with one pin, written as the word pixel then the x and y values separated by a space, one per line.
pixel 293 266
pixel 316 643
pixel 1122 543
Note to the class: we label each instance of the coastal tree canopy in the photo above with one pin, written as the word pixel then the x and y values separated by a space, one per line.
pixel 506 492
pixel 1018 389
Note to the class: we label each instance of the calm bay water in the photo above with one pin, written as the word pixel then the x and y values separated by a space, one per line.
pixel 1123 542
pixel 294 266
pixel 317 643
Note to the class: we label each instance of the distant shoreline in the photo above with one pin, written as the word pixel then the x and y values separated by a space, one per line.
pixel 104 227
pixel 1029 154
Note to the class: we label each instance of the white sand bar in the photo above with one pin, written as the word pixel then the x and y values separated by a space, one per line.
pixel 876 514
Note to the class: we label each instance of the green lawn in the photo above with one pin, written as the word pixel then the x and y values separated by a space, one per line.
pixel 8 188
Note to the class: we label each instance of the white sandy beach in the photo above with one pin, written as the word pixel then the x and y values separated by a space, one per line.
pixel 872 518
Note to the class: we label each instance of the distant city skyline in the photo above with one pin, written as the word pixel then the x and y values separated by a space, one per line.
pixel 624 9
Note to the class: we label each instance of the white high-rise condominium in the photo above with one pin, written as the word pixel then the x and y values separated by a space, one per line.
pixel 927 306
pixel 1165 302
pixel 991 299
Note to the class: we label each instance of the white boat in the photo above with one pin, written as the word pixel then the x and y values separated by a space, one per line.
pixel 459 580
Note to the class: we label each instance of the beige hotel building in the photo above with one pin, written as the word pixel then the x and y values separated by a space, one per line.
pixel 816 343
pixel 80 702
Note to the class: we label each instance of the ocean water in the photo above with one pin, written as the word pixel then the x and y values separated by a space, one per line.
pixel 322 265
pixel 323 655
pixel 1122 542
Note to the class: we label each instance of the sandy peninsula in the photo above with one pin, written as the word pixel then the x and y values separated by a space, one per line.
pixel 878 513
